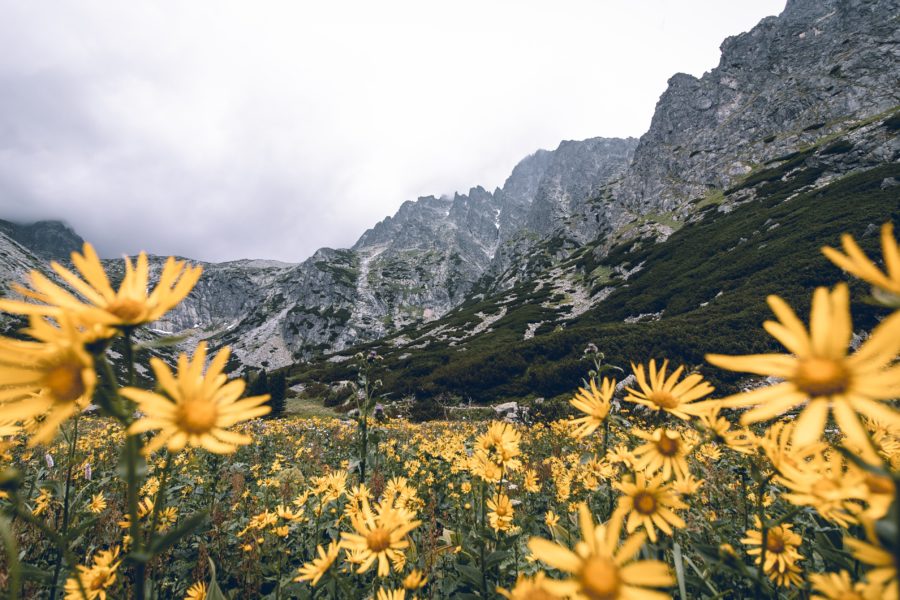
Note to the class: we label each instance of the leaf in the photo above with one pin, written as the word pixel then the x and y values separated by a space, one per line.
pixel 214 592
pixel 162 342
pixel 679 570
pixel 171 538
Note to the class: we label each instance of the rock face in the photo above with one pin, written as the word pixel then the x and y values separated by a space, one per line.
pixel 823 75
pixel 791 80
pixel 46 239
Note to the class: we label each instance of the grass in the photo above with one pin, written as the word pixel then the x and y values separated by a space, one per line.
pixel 308 408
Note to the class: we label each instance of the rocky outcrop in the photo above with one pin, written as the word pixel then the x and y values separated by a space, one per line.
pixel 813 71
pixel 52 240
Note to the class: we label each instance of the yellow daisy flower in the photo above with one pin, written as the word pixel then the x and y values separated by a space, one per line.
pixel 600 567
pixel 500 445
pixel 781 547
pixel 839 586
pixel 378 536
pixel 834 488
pixel 97 578
pixel 197 408
pixel 313 571
pixel 649 504
pixel 131 305
pixel 49 380
pixel 414 580
pixel 664 451
pixel 386 594
pixel 501 513
pixel 886 285
pixel 97 503
pixel 196 592
pixel 820 375
pixel 529 588
pixel 884 572
pixel 595 404
pixel 666 393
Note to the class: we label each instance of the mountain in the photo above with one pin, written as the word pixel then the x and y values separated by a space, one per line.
pixel 791 139
pixel 53 240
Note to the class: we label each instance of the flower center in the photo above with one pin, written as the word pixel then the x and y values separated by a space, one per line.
pixel 65 383
pixel 101 578
pixel 645 503
pixel 775 543
pixel 378 540
pixel 667 446
pixel 600 579
pixel 127 309
pixel 198 416
pixel 821 376
pixel 664 399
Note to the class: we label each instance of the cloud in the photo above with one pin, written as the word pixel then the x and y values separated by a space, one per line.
pixel 223 130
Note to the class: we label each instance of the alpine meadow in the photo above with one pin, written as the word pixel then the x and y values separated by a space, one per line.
pixel 665 367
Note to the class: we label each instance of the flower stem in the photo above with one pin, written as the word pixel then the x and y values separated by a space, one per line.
pixel 12 560
pixel 70 463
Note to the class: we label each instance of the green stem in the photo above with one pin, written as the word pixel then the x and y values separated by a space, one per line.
pixel 70 460
pixel 12 559
pixel 55 539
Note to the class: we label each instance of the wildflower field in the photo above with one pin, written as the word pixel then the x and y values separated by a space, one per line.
pixel 659 489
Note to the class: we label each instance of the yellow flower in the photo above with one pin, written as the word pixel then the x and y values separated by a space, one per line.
pixel 196 409
pixel 649 503
pixel 313 571
pixel 97 578
pixel 839 586
pixel 551 519
pixel 664 451
pixel 530 588
pixel 385 594
pixel 414 580
pixel 781 550
pixel 595 404
pixel 379 536
pixel 826 483
pixel 131 305
pixel 886 285
pixel 42 503
pixel 196 592
pixel 884 572
pixel 662 393
pixel 531 484
pixel 600 567
pixel 49 380
pixel 820 374
pixel 687 486
pixel 500 445
pixel 97 503
pixel 501 513
pixel 719 428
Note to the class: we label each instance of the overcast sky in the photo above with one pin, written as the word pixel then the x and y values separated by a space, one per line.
pixel 223 130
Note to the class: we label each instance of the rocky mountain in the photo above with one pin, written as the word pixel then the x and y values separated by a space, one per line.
pixel 46 239
pixel 808 97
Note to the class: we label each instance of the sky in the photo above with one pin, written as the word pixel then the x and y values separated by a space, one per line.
pixel 222 130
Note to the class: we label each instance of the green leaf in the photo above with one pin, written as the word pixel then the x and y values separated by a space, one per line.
pixel 214 592
pixel 163 342
pixel 679 570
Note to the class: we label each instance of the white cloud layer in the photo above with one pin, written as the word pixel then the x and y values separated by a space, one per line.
pixel 223 130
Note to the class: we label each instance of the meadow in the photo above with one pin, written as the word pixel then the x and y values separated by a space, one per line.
pixel 657 489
